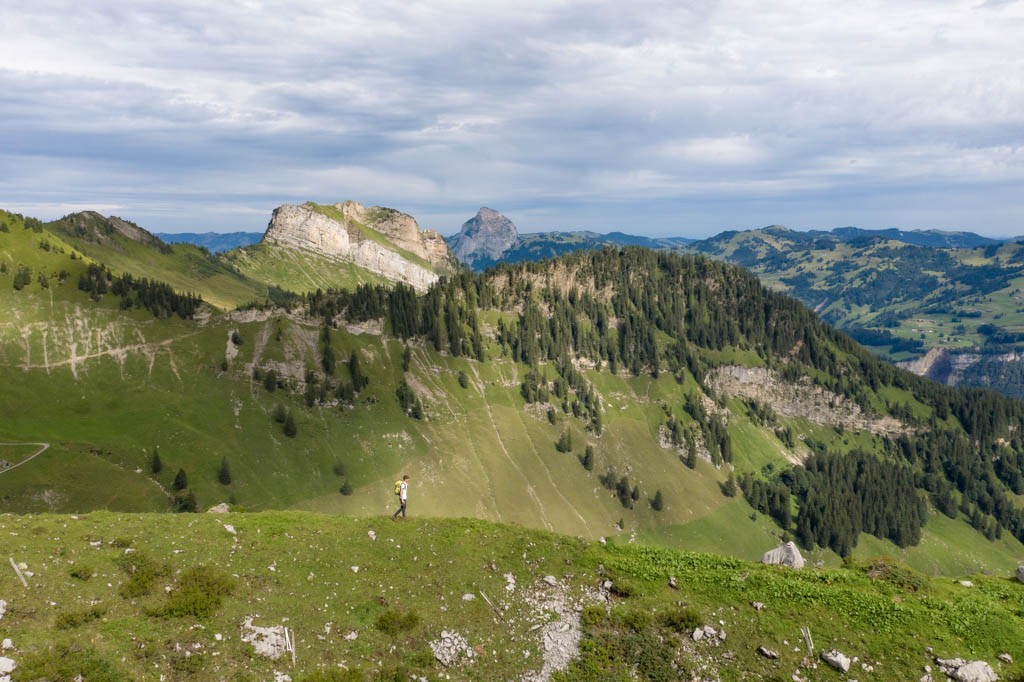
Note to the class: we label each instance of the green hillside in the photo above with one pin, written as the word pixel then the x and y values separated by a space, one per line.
pixel 158 596
pixel 299 271
pixel 622 393
pixel 899 298
pixel 185 267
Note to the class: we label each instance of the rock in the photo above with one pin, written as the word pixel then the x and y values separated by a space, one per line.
pixel 966 671
pixel 3 608
pixel 758 606
pixel 484 238
pixel 7 665
pixel 966 583
pixel 270 642
pixel 337 233
pixel 787 554
pixel 371 534
pixel 355 569
pixel 836 659
pixel 698 634
pixel 1020 574
pixel 231 529
pixel 672 582
pixel 551 580
pixel 7 644
pixel 221 508
pixel 1005 658
pixel 605 542
pixel 767 653
pixel 352 636
pixel 468 597
pixel 450 647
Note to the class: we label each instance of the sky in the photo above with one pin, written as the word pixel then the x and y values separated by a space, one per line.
pixel 680 118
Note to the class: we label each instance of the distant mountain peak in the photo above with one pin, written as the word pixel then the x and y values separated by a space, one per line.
pixel 484 237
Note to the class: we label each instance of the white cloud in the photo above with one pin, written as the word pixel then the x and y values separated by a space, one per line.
pixel 538 105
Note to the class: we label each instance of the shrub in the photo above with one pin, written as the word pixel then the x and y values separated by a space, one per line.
pixel 392 622
pixel 463 380
pixel 72 619
pixel 199 592
pixel 69 662
pixel 346 488
pixel 81 573
pixel 142 572
pixel 680 619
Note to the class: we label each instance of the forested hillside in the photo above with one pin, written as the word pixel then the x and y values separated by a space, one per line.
pixel 623 391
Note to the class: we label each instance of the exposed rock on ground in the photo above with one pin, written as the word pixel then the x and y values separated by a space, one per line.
pixel 966 671
pixel 836 659
pixel 801 399
pixel 270 642
pixel 787 554
pixel 450 648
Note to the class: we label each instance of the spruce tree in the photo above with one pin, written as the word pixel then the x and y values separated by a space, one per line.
pixel 180 480
pixel 289 425
pixel 657 504
pixel 224 475
pixel 155 465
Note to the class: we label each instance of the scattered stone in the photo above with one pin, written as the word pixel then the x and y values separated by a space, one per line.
pixel 709 633
pixel 469 596
pixel 729 655
pixel 698 634
pixel 450 648
pixel 219 637
pixel 355 569
pixel 8 644
pixel 510 582
pixel 605 542
pixel 371 534
pixel 786 554
pixel 1005 658
pixel 758 606
pixel 3 608
pixel 282 677
pixel 352 636
pixel 966 583
pixel 221 508
pixel 231 529
pixel 7 665
pixel 1020 574
pixel 836 659
pixel 672 582
pixel 767 653
pixel 967 671
pixel 269 642
pixel 551 580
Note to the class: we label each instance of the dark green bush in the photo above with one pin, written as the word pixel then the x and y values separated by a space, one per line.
pixel 72 619
pixel 200 591
pixel 392 622
pixel 680 619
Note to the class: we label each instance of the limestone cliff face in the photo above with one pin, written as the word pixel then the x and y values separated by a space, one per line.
pixel 484 238
pixel 345 232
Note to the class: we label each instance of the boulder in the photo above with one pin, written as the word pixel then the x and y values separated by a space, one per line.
pixel 967 671
pixel 786 554
pixel 1020 574
pixel 836 659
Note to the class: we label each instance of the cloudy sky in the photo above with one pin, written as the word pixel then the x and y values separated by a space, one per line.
pixel 661 118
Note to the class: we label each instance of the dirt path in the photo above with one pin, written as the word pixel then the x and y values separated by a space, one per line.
pixel 43 447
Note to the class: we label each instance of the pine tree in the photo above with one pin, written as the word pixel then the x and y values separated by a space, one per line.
pixel 588 458
pixel 224 475
pixel 657 504
pixel 180 480
pixel 155 465
pixel 289 425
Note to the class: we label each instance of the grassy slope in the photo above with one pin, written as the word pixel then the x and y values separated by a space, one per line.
pixel 299 569
pixel 187 268
pixel 132 383
pixel 298 271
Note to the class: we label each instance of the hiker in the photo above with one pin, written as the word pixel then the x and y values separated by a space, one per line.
pixel 402 489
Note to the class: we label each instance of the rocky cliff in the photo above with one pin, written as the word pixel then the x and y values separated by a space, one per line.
pixel 382 240
pixel 484 238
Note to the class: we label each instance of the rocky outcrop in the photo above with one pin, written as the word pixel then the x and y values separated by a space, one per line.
pixel 484 238
pixel 345 232
pixel 936 365
pixel 801 399
pixel 786 554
